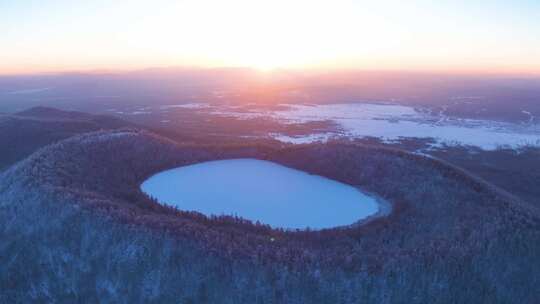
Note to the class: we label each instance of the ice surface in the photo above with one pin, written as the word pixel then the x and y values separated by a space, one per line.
pixel 261 191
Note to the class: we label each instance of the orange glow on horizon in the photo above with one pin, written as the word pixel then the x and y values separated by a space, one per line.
pixel 270 35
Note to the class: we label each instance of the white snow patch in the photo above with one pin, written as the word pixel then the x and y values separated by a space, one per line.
pixel 185 106
pixel 303 139
pixel 28 91
pixel 531 116
pixel 395 122
pixel 106 136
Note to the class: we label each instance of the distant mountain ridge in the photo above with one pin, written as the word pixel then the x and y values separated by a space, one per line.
pixel 24 132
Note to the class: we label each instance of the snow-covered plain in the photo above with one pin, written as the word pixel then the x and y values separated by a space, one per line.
pixel 395 122
pixel 390 123
pixel 261 191
pixel 303 139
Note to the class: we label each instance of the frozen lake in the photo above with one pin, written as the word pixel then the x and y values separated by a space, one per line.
pixel 261 191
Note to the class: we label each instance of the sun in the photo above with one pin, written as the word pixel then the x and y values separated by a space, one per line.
pixel 262 55
pixel 264 35
pixel 267 54
pixel 266 64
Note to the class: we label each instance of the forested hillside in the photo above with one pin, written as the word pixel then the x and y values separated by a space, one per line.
pixel 77 227
pixel 24 132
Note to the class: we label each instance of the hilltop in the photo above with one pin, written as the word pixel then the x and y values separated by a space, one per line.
pixel 78 227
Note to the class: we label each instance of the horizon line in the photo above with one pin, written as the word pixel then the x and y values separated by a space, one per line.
pixel 420 71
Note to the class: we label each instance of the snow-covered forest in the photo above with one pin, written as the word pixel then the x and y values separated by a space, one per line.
pixel 76 226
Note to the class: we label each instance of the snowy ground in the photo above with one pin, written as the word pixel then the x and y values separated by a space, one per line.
pixel 262 191
pixel 388 122
pixel 394 122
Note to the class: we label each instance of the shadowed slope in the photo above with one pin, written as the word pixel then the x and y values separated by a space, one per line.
pixel 26 131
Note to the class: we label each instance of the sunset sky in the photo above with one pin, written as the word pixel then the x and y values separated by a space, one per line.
pixel 458 35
